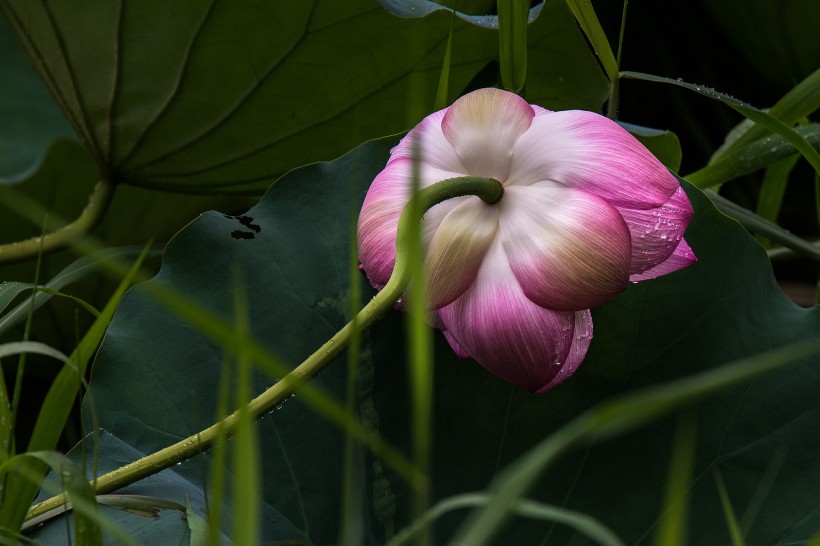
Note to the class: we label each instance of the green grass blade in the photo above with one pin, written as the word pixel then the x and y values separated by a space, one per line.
pixel 87 519
pixel 63 391
pixel 672 531
pixel 351 531
pixel 585 15
pixel 612 418
pixel 10 290
pixel 752 157
pixel 245 455
pixel 798 103
pixel 78 270
pixel 217 490
pixel 512 43
pixel 817 197
pixel 82 303
pixel 728 512
pixel 222 333
pixel 420 339
pixel 443 90
pixel 58 403
pixel 6 427
pixel 815 540
pixel 584 524
pixel 756 224
pixel 200 529
pixel 772 190
pixel 31 347
pixel 768 121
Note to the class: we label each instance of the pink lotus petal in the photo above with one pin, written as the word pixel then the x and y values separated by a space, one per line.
pixel 483 127
pixel 577 352
pixel 509 335
pixel 590 152
pixel 462 238
pixel 680 258
pixel 656 232
pixel 569 249
pixel 433 148
pixel 379 217
pixel 454 345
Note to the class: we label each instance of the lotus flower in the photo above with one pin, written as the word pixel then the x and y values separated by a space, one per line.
pixel 586 209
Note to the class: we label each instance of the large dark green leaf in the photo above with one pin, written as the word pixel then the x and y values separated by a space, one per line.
pixel 232 94
pixel 29 119
pixel 155 379
pixel 61 184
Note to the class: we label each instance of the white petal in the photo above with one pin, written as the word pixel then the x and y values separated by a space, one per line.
pixel 590 152
pixel 569 250
pixel 483 127
pixel 428 141
pixel 457 250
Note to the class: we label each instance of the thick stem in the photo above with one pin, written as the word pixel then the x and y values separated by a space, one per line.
pixel 614 83
pixel 487 189
pixel 88 219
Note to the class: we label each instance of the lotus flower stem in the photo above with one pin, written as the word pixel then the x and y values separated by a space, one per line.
pixel 58 239
pixel 489 190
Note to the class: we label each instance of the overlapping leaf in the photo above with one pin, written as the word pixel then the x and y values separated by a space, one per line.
pixel 210 94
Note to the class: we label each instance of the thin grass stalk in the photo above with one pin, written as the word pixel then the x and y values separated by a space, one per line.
pixel 351 529
pixel 672 531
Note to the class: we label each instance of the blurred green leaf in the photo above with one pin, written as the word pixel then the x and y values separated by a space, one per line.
pixel 246 457
pixel 588 20
pixel 278 79
pixel 770 197
pixel 675 509
pixel 752 157
pixel 799 102
pixel 512 43
pixel 584 524
pixel 725 307
pixel 728 511
pixel 771 123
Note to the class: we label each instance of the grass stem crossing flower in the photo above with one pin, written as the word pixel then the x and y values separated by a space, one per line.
pixel 586 209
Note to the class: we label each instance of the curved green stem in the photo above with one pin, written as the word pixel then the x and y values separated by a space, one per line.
pixel 487 189
pixel 88 219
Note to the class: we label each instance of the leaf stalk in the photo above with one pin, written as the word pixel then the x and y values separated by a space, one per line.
pixel 489 190
pixel 88 219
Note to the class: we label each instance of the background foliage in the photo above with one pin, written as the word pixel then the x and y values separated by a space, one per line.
pixel 211 102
